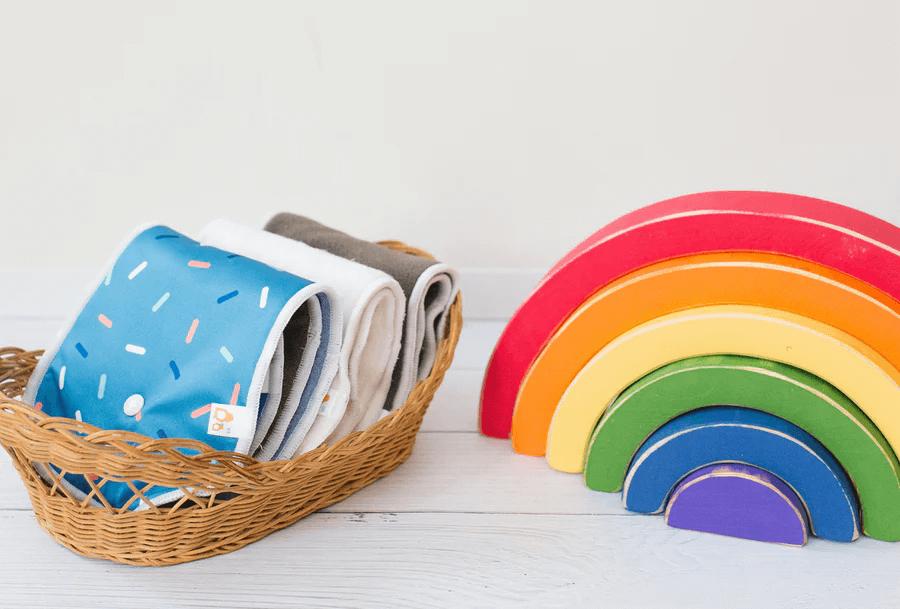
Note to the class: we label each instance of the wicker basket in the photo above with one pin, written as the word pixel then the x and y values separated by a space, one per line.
pixel 230 500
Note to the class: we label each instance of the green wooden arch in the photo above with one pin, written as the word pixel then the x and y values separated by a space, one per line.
pixel 773 387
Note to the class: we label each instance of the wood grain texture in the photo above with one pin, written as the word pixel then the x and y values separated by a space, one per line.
pixel 426 561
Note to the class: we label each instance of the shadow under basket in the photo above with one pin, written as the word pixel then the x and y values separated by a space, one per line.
pixel 230 500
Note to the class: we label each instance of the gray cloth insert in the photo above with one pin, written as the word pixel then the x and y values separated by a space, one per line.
pixel 403 267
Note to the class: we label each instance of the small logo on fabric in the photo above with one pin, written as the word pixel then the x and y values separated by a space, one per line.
pixel 228 420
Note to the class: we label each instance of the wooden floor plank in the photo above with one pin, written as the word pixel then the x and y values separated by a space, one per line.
pixel 426 561
pixel 455 405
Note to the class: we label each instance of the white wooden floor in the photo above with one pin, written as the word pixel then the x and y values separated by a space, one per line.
pixel 464 523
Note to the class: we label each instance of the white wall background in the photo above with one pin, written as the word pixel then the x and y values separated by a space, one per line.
pixel 496 133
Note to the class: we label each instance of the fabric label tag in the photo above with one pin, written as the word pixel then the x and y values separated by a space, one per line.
pixel 229 420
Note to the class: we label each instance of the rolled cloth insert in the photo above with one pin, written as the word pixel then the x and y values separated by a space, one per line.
pixel 371 304
pixel 177 340
pixel 430 288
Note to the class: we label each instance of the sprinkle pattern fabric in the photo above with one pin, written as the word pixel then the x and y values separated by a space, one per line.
pixel 174 329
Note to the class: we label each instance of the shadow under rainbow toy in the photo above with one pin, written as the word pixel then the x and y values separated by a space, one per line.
pixel 782 308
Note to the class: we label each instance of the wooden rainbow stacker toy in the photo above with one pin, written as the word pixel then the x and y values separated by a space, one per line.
pixel 729 359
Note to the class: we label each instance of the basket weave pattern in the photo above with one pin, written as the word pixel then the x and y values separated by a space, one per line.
pixel 230 500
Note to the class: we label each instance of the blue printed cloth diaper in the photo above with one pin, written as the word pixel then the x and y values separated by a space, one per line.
pixel 181 340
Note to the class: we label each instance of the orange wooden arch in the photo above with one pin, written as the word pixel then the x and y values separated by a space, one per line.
pixel 747 278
